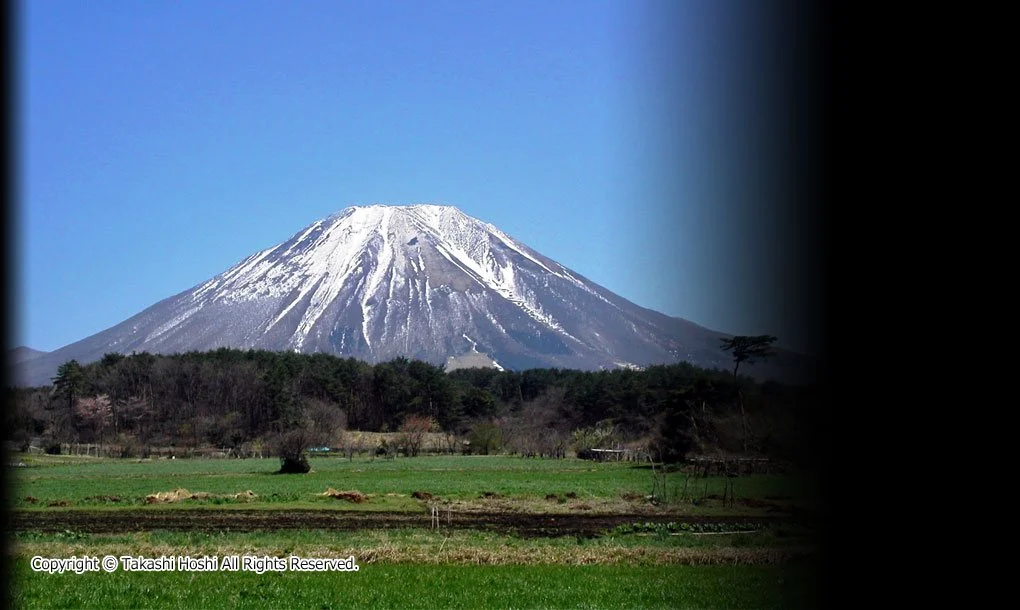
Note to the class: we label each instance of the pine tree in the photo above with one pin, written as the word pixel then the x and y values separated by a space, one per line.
pixel 748 349
pixel 69 382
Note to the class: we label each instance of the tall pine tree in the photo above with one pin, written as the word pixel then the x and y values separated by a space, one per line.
pixel 69 382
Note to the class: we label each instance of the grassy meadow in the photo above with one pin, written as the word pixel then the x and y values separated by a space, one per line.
pixel 634 565
pixel 432 586
pixel 495 482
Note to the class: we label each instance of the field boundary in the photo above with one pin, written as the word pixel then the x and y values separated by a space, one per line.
pixel 524 524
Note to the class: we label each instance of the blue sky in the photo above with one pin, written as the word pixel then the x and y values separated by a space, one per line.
pixel 159 143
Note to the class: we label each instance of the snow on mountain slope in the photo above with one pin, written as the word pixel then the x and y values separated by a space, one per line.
pixel 422 281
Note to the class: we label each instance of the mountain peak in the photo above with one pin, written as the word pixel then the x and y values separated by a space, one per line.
pixel 382 207
pixel 422 281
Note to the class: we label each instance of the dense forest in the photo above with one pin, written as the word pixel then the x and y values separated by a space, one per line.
pixel 229 398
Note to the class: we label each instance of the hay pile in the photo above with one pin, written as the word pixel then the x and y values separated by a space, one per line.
pixel 167 497
pixel 351 496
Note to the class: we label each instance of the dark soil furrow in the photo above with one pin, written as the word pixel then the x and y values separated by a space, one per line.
pixel 253 520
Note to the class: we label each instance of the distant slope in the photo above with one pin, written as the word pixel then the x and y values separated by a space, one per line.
pixel 23 354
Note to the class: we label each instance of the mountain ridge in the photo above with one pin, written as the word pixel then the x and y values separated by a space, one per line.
pixel 420 281
pixel 23 353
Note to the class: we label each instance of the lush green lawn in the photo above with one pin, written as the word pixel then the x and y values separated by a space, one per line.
pixel 90 482
pixel 428 586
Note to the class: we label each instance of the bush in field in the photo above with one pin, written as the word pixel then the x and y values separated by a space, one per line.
pixel 291 447
pixel 387 450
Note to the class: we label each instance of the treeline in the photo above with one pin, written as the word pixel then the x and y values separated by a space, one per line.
pixel 228 397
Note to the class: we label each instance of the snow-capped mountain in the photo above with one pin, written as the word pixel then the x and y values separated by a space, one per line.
pixel 421 281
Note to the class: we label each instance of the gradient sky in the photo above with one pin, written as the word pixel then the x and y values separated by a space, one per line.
pixel 159 143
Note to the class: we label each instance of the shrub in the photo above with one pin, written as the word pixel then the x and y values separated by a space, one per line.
pixel 291 447
pixel 485 438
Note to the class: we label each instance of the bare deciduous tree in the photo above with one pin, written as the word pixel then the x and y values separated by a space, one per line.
pixel 413 431
pixel 328 418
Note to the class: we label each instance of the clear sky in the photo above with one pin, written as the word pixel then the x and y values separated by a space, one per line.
pixel 159 143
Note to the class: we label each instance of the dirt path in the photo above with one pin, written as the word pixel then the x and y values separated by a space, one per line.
pixel 255 520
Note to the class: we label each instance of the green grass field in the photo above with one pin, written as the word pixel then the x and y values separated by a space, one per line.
pixel 628 567
pixel 91 482
pixel 428 586
pixel 420 545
